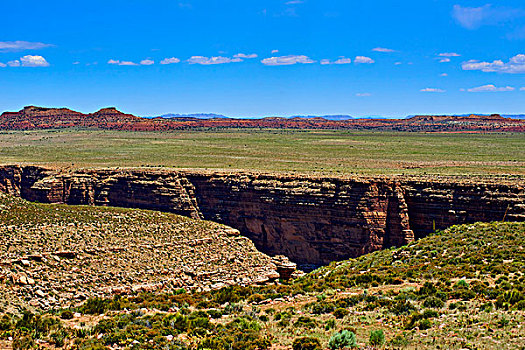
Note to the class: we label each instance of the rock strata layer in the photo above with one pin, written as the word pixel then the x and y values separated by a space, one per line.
pixel 311 220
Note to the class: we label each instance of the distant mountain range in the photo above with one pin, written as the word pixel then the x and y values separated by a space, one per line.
pixel 194 116
pixel 327 117
pixel 220 116
pixel 514 116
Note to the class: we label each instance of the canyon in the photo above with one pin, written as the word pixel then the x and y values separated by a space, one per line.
pixel 310 219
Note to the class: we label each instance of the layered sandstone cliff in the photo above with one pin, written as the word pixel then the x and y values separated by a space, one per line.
pixel 312 220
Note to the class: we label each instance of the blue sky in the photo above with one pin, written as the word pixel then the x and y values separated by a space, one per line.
pixel 263 58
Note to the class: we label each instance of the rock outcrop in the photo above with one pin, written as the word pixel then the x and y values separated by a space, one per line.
pixel 56 256
pixel 311 220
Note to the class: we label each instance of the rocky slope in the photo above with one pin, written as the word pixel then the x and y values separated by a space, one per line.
pixel 32 118
pixel 58 255
pixel 312 220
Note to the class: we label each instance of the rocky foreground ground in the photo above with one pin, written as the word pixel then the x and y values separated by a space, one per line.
pixel 55 255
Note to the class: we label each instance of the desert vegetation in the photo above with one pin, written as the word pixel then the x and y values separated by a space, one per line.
pixel 462 288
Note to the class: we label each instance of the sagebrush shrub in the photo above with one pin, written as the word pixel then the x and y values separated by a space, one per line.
pixel 342 339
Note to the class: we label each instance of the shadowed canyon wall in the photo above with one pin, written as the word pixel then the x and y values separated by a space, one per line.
pixel 312 220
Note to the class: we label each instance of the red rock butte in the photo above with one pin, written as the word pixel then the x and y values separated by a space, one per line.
pixel 35 118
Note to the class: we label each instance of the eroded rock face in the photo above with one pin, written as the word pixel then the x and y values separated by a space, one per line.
pixel 311 220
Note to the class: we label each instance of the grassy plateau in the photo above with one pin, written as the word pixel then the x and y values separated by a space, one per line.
pixel 306 151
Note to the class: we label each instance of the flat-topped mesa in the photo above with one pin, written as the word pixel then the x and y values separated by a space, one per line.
pixel 452 118
pixel 311 220
pixel 113 112
pixel 46 112
pixel 35 118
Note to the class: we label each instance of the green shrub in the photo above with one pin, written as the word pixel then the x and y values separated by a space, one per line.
pixel 330 324
pixel 66 315
pixel 399 340
pixel 433 302
pixel 5 323
pixel 305 322
pixel 306 343
pixel 214 313
pixel 94 306
pixel 461 284
pixel 322 307
pixel 520 305
pixel 430 313
pixel 377 337
pixel 59 337
pixel 342 339
pixel 341 312
pixel 23 343
pixel 90 344
pixel 424 324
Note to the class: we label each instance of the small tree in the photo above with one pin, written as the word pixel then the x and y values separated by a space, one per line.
pixel 342 339
pixel 377 337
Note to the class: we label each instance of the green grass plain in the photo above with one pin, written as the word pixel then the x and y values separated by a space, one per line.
pixel 334 152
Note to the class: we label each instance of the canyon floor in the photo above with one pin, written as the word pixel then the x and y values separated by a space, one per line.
pixel 334 152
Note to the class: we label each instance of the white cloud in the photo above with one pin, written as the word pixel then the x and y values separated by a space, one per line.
pixel 443 75
pixel 127 63
pixel 341 60
pixel 432 90
pixel 287 60
pixel 21 45
pixel 398 63
pixel 444 60
pixel 363 94
pixel 14 63
pixel 3 65
pixel 475 17
pixel 383 49
pixel 147 62
pixel 449 54
pixel 275 51
pixel 491 88
pixel 212 60
pixel 33 61
pixel 515 65
pixel 122 63
pixel 242 55
pixel 522 89
pixel 170 60
pixel 363 59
